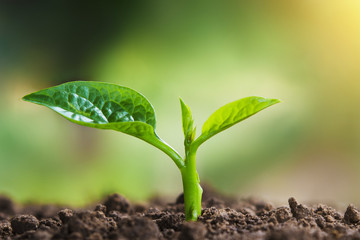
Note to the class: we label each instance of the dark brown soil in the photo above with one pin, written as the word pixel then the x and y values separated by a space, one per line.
pixel 221 218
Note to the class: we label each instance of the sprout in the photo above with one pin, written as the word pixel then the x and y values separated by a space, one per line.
pixel 109 106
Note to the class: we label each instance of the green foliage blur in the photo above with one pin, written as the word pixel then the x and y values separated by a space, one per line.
pixel 306 53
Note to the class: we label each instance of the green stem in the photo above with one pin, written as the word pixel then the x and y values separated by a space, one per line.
pixel 172 153
pixel 192 188
pixel 190 177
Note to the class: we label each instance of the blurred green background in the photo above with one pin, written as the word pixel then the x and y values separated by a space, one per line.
pixel 306 53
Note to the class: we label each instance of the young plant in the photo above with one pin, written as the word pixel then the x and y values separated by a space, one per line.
pixel 109 106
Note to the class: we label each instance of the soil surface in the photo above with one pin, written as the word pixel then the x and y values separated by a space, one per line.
pixel 222 218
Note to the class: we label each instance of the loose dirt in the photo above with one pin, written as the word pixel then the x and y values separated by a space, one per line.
pixel 222 218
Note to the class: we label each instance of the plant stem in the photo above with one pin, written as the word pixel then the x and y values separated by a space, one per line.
pixel 190 177
pixel 172 153
pixel 192 188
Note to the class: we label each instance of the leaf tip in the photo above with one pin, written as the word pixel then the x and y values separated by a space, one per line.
pixel 26 98
pixel 270 101
pixel 183 105
pixel 181 101
pixel 274 100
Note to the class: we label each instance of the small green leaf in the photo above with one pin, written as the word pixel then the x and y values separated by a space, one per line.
pixel 188 122
pixel 105 106
pixel 231 114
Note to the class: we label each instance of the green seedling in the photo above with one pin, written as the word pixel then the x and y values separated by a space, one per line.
pixel 109 106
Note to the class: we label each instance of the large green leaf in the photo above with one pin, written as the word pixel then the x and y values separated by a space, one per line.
pixel 231 114
pixel 105 106
pixel 99 105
